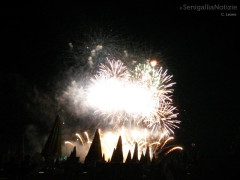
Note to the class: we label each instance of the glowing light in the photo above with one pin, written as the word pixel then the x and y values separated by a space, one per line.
pixel 142 96
pixel 164 119
pixel 99 47
pixel 153 63
pixel 174 148
pixel 68 142
pixel 165 142
pixel 88 141
pixel 137 101
pixel 117 96
pixel 78 135
pixel 129 138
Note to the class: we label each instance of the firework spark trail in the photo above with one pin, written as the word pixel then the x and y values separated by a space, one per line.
pixel 79 136
pixel 165 142
pixel 164 119
pixel 86 134
pixel 172 149
pixel 68 142
pixel 114 69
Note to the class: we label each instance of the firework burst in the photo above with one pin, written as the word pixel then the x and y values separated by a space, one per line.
pixel 113 69
pixel 141 96
pixel 164 119
pixel 115 95
pixel 135 103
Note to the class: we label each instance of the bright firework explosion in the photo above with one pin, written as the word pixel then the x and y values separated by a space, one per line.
pixel 141 96
pixel 115 95
pixel 136 102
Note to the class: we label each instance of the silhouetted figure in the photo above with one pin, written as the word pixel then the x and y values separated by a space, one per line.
pixel 147 160
pixel 95 152
pixel 117 156
pixel 103 157
pixel 52 148
pixel 129 158
pixel 154 161
pixel 135 154
pixel 142 158
pixel 73 153
pixel 72 166
pixel 113 154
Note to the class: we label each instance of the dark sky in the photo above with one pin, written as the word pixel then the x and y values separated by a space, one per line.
pixel 200 50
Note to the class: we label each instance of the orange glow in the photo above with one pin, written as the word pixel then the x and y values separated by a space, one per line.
pixel 174 148
pixel 78 135
pixel 153 63
pixel 68 142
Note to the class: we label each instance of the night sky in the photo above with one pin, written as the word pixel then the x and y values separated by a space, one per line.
pixel 199 49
